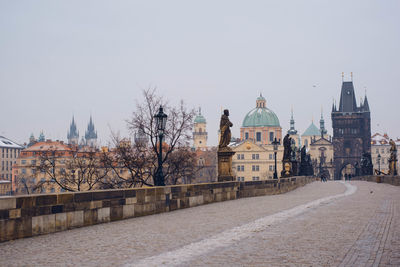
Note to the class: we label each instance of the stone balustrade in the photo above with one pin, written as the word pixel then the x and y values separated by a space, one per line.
pixel 387 179
pixel 32 215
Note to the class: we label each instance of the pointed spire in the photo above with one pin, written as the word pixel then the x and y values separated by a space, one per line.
pixel 73 134
pixel 42 138
pixel 91 134
pixel 292 130
pixel 366 105
pixel 322 124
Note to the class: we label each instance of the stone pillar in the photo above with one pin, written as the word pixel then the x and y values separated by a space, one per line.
pixel 393 166
pixel 225 165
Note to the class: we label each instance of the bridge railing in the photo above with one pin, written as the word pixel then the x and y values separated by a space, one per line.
pixel 31 215
pixel 387 179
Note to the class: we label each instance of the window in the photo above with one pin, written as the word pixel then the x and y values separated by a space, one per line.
pixel 33 162
pixel 246 136
pixel 383 150
pixel 238 156
pixel 242 156
pixel 257 156
pixel 258 137
pixel 271 136
pixel 255 168
pixel 33 171
pixel 52 190
pixel 271 168
pixel 23 161
pixel 270 156
pixel 23 171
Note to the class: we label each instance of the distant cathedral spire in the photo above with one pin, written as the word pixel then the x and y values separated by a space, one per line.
pixel 41 137
pixel 73 134
pixel 91 134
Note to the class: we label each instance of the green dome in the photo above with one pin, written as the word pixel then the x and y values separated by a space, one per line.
pixel 312 130
pixel 200 119
pixel 261 117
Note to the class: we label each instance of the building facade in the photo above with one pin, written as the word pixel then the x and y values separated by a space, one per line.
pixel 9 152
pixel 351 132
pixel 380 147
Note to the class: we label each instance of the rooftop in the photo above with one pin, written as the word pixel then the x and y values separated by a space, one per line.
pixel 7 143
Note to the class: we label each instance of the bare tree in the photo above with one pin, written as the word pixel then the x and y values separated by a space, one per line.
pixel 82 170
pixel 178 134
pixel 130 165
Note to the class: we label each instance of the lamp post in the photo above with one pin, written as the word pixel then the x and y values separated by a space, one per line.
pixel 161 120
pixel 379 163
pixel 275 143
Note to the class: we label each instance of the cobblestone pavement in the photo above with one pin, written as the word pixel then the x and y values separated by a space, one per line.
pixel 362 229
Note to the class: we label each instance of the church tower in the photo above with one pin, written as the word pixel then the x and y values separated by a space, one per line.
pixel 73 134
pixel 200 133
pixel 91 134
pixel 293 132
pixel 351 132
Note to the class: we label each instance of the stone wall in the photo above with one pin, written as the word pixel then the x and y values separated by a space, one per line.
pixel 387 179
pixel 31 215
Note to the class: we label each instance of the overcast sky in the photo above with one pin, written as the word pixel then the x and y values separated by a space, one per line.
pixel 64 58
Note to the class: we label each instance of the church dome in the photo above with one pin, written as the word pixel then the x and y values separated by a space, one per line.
pixel 199 118
pixel 261 116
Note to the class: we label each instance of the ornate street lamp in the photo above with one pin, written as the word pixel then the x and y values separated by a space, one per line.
pixel 275 143
pixel 161 121
pixel 379 163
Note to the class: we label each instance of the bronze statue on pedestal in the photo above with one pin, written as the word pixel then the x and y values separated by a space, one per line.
pixel 224 152
pixel 224 127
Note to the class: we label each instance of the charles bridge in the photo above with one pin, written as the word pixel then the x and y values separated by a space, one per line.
pixel 265 223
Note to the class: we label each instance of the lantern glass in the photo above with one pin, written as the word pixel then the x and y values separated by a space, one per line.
pixel 161 120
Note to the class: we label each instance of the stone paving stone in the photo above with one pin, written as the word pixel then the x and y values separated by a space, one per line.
pixel 362 229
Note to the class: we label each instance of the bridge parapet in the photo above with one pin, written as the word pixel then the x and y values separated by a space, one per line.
pixel 387 179
pixel 31 215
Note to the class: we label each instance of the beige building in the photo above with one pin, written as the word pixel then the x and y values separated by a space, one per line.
pixel 9 152
pixel 5 188
pixel 254 162
pixel 380 146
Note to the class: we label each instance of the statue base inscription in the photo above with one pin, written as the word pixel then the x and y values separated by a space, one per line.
pixel 225 164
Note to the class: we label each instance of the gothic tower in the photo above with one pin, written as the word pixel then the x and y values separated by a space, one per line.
pixel 73 134
pixel 91 134
pixel 351 132
pixel 200 132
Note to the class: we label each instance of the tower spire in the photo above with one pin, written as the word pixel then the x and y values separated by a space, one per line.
pixel 322 124
pixel 292 130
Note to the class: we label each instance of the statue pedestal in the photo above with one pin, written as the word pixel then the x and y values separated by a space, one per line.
pixel 225 165
pixel 393 167
pixel 286 168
